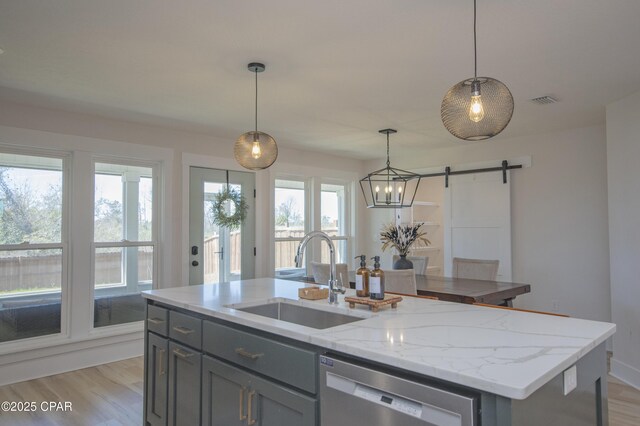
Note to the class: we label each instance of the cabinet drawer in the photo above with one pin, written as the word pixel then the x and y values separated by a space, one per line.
pixel 185 329
pixel 281 361
pixel 157 319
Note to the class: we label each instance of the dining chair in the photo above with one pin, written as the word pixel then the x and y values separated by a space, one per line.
pixel 320 273
pixel 479 269
pixel 400 281
pixel 420 263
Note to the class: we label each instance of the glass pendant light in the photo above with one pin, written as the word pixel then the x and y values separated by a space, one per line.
pixel 255 150
pixel 389 187
pixel 477 108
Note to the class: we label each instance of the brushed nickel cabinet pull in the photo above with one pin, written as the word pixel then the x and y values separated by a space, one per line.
pixel 161 371
pixel 183 330
pixel 155 321
pixel 182 354
pixel 244 353
pixel 242 416
pixel 250 420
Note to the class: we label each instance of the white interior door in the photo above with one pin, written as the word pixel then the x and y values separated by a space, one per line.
pixel 477 220
pixel 218 254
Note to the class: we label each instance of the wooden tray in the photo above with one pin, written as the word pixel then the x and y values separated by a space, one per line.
pixel 313 293
pixel 374 305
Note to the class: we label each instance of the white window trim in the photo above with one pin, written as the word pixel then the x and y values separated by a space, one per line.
pixel 156 215
pixel 65 289
pixel 313 216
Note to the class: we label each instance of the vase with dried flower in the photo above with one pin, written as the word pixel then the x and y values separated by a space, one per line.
pixel 402 237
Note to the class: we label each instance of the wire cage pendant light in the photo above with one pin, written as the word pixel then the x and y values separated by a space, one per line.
pixel 477 108
pixel 255 150
pixel 389 187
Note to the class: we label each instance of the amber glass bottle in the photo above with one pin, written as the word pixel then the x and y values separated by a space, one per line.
pixel 362 277
pixel 376 281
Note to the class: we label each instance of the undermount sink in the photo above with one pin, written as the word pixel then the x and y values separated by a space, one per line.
pixel 301 315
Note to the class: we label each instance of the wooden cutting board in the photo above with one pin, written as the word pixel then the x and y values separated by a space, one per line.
pixel 313 293
pixel 374 305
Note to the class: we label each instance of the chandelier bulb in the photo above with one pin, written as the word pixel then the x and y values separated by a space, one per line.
pixel 256 151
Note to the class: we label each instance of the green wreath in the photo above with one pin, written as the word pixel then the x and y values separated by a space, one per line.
pixel 237 210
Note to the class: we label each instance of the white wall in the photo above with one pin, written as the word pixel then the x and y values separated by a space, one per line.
pixel 559 215
pixel 623 154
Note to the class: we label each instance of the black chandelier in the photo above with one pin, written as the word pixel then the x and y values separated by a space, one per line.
pixel 389 187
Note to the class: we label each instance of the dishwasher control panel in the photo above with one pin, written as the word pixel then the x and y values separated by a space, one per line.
pixel 395 402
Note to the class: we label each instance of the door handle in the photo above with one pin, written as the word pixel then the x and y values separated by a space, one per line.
pixel 246 354
pixel 250 420
pixel 242 416
pixel 155 321
pixel 182 354
pixel 194 250
pixel 161 371
pixel 194 263
pixel 183 330
pixel 221 252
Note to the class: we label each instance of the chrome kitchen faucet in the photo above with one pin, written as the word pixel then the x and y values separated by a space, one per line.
pixel 335 289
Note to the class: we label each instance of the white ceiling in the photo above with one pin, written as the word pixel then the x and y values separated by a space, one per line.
pixel 337 70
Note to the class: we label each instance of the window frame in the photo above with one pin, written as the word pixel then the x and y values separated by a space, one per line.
pixel 124 243
pixel 65 291
pixel 306 185
pixel 313 213
pixel 343 213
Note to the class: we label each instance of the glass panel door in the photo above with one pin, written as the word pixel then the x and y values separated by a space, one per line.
pixel 217 253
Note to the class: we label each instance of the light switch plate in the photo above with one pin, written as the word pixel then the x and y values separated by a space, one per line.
pixel 570 379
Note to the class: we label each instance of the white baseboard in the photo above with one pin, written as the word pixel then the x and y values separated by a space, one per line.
pixel 628 374
pixel 99 351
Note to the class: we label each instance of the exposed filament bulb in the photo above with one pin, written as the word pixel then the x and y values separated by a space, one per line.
pixel 256 151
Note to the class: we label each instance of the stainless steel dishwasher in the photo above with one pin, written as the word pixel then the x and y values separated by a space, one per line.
pixel 353 394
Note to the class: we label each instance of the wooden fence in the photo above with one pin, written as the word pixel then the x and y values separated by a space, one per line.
pixel 45 272
pixel 32 273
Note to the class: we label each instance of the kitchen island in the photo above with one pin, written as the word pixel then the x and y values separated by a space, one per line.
pixel 514 367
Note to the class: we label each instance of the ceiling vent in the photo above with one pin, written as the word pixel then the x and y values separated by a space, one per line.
pixel 543 100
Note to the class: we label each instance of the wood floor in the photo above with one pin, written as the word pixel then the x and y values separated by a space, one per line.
pixel 106 395
pixel 111 395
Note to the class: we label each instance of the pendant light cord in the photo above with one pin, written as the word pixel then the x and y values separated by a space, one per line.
pixel 388 162
pixel 256 72
pixel 475 45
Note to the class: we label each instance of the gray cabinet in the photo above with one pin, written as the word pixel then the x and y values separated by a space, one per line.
pixel 204 372
pixel 231 396
pixel 184 385
pixel 173 367
pixel 156 380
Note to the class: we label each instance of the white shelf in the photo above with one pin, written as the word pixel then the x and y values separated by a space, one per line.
pixel 426 203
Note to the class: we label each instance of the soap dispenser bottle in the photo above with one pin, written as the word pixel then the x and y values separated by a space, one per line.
pixel 376 281
pixel 362 277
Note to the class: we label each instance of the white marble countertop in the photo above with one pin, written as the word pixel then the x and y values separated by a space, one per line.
pixel 508 353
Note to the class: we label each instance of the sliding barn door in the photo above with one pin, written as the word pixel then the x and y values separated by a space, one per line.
pixel 477 220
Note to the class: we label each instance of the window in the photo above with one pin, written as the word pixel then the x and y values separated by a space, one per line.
pixel 290 217
pixel 302 206
pixel 124 242
pixel 32 245
pixel 332 217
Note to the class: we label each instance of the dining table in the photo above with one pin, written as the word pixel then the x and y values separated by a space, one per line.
pixel 466 290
